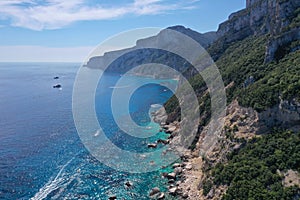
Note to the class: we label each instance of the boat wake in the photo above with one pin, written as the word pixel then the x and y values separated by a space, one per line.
pixel 156 106
pixel 59 181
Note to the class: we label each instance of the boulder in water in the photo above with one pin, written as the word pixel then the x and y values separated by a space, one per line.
pixel 113 197
pixel 57 86
pixel 152 145
pixel 171 175
pixel 154 191
pixel 128 184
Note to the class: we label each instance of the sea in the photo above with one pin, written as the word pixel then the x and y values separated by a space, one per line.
pixel 41 153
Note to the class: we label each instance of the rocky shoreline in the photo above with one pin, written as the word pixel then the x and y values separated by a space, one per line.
pixel 188 176
pixel 180 182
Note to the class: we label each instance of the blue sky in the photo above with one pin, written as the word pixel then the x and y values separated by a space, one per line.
pixel 56 27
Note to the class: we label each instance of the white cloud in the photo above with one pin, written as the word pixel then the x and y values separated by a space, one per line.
pixel 54 14
pixel 145 2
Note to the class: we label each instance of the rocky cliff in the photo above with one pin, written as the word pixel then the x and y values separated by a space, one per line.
pixel 139 55
pixel 261 41
pixel 278 18
pixel 261 17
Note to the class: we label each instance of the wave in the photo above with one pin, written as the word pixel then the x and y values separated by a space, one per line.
pixel 53 184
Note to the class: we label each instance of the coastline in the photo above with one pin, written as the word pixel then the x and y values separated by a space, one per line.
pixel 183 180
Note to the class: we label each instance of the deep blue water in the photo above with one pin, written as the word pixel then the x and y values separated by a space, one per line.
pixel 41 154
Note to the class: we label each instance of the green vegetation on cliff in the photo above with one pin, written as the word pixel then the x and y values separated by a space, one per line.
pixel 283 79
pixel 239 62
pixel 252 173
pixel 259 69
pixel 242 60
pixel 245 59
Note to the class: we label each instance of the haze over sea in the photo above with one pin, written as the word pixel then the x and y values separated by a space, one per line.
pixel 41 154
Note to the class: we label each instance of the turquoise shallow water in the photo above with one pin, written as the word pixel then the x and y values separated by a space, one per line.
pixel 41 154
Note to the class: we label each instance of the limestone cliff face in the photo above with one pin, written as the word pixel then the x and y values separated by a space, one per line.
pixel 124 60
pixel 240 124
pixel 258 18
pixel 278 45
pixel 204 39
pixel 286 115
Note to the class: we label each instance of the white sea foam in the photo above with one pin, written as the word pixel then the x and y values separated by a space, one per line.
pixel 53 184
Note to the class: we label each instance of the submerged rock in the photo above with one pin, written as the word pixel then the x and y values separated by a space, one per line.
pixel 164 174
